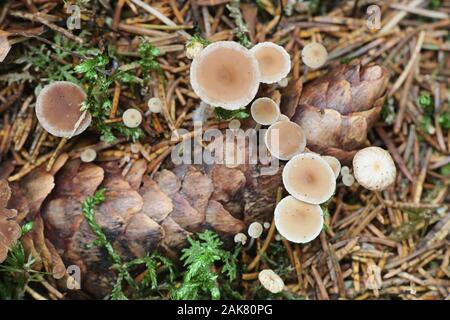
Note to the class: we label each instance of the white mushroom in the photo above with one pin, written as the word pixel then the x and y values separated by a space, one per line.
pixel 348 180
pixel 58 109
pixel 273 60
pixel 266 225
pixel 225 74
pixel 88 155
pixel 271 281
pixel 374 168
pixel 309 178
pixel 155 105
pixel 283 82
pixel 334 164
pixel 298 221
pixel 285 139
pixel 255 230
pixel 314 55
pixel 132 118
pixel 234 124
pixel 345 170
pixel 265 111
pixel 240 238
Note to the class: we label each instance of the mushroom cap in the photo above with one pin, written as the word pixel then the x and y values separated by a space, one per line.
pixel 298 221
pixel 240 237
pixel 309 178
pixel 255 230
pixel 285 139
pixel 345 170
pixel 271 281
pixel 58 109
pixel 348 180
pixel 88 155
pixel 273 60
pixel 283 117
pixel 132 118
pixel 314 55
pixel 265 111
pixel 374 168
pixel 155 105
pixel 334 164
pixel 225 74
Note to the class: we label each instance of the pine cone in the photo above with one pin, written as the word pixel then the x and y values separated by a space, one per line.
pixel 141 214
pixel 337 110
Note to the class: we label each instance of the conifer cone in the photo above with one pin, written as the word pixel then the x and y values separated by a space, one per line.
pixel 337 110
pixel 142 214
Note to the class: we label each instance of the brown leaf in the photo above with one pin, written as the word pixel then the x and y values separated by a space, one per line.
pixel 4 48
pixel 9 229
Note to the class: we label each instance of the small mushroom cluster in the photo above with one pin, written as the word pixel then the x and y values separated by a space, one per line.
pixel 310 179
pixel 227 75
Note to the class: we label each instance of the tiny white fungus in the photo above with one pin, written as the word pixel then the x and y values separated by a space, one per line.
pixel 132 118
pixel 271 281
pixel 88 155
pixel 155 105
pixel 240 238
pixel 255 230
pixel 348 180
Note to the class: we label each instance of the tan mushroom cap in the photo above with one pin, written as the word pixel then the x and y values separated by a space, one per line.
pixel 334 164
pixel 271 281
pixel 225 74
pixel 298 221
pixel 265 111
pixel 314 55
pixel 273 60
pixel 309 178
pixel 285 139
pixel 58 109
pixel 374 168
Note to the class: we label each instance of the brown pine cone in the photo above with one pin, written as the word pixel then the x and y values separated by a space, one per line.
pixel 141 214
pixel 337 110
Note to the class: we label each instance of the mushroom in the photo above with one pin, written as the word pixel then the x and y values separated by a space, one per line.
pixel 345 170
pixel 88 155
pixel 271 281
pixel 234 124
pixel 285 139
pixel 314 55
pixel 283 82
pixel 298 221
pixel 265 111
pixel 273 60
pixel 132 118
pixel 374 168
pixel 240 238
pixel 334 164
pixel 309 178
pixel 225 74
pixel 348 180
pixel 266 225
pixel 155 105
pixel 283 117
pixel 255 230
pixel 58 109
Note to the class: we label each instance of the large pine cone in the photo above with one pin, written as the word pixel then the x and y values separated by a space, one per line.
pixel 142 214
pixel 337 110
